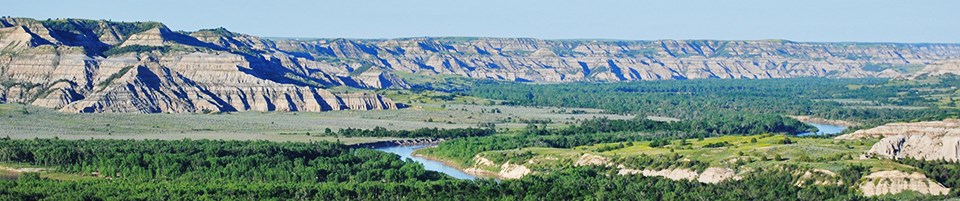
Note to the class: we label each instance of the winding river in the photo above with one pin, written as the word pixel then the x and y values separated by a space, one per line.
pixel 406 152
pixel 824 129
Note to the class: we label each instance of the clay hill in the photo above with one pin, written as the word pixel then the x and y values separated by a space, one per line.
pixel 77 65
pixel 929 140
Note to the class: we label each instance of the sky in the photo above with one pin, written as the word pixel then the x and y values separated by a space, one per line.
pixel 927 21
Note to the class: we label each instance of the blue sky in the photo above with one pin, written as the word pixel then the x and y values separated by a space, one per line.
pixel 806 20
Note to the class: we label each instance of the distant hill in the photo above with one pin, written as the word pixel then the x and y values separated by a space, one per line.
pixel 78 65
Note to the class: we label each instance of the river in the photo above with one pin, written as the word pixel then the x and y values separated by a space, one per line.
pixel 406 152
pixel 824 129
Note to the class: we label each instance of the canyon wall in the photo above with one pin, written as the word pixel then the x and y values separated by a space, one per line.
pixel 78 65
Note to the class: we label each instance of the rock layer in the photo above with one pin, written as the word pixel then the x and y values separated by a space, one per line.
pixel 893 182
pixel 78 65
pixel 933 140
pixel 55 64
pixel 521 59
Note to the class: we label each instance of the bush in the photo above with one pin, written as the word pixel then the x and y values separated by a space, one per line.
pixel 716 144
pixel 135 48
pixel 785 140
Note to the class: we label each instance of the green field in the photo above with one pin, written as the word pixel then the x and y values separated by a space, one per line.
pixel 27 122
pixel 738 152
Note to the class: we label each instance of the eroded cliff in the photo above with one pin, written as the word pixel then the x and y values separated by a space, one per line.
pixel 100 66
pixel 103 66
pixel 932 140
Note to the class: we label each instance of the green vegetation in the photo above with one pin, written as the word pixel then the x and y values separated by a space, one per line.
pixel 601 130
pixel 880 101
pixel 722 124
pixel 360 70
pixel 899 68
pixel 169 170
pixel 136 49
pixel 418 133
pixel 70 25
pixel 736 124
pixel 118 74
pixel 220 31
pixel 944 172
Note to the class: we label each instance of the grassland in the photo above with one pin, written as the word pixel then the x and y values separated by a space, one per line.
pixel 736 152
pixel 427 110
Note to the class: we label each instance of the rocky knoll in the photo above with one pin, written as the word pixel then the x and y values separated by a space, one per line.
pixel 940 68
pixel 102 66
pixel 933 140
pixel 893 182
pixel 710 175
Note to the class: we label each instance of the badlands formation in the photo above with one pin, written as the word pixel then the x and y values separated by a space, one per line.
pixel 933 140
pixel 100 66
pixel 77 65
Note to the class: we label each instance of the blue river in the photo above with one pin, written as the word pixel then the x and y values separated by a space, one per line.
pixel 406 152
pixel 825 129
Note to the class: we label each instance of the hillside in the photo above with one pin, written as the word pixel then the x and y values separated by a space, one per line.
pixel 77 65
pixel 101 66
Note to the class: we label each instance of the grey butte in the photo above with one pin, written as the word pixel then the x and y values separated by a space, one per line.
pixel 67 66
pixel 77 65
pixel 928 140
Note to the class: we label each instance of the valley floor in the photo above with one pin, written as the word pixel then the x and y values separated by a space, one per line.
pixel 28 122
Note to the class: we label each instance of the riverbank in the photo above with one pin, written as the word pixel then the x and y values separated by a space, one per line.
pixel 429 163
pixel 819 120
pixel 457 165
pixel 400 142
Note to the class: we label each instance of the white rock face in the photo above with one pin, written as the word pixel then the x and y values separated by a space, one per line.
pixel 893 182
pixel 535 60
pixel 152 37
pixel 714 175
pixel 710 175
pixel 940 68
pixel 513 171
pixel 507 169
pixel 819 177
pixel 934 140
pixel 481 161
pixel 218 70
pixel 673 174
pixel 589 159
pixel 232 72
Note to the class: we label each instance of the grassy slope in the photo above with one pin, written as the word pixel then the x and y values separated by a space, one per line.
pixel 823 153
pixel 428 110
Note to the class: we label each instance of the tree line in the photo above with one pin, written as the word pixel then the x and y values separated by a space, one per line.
pixel 259 170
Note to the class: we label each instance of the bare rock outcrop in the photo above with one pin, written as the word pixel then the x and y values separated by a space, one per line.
pixel 893 182
pixel 76 64
pixel 513 171
pixel 711 175
pixel 672 174
pixel 158 36
pixel 481 161
pixel 820 177
pixel 940 68
pixel 158 70
pixel 714 175
pixel 520 59
pixel 933 140
pixel 590 159
pixel 507 170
